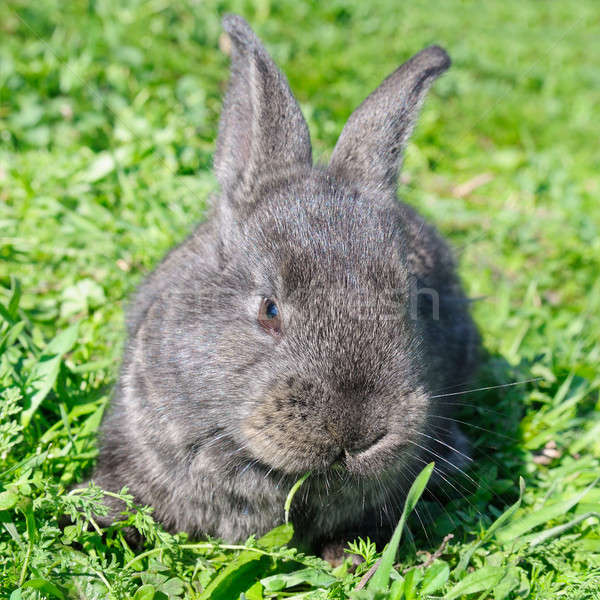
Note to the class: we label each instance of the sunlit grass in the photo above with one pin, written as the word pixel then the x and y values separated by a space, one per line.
pixel 108 116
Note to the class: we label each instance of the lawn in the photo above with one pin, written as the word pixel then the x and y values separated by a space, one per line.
pixel 108 118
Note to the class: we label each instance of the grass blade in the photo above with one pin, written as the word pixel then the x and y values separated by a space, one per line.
pixel 382 575
pixel 539 538
pixel 514 530
pixel 292 493
pixel 45 372
pixel 499 522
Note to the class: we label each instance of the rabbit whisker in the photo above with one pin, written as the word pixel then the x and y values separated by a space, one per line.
pixel 461 494
pixel 501 467
pixel 443 444
pixel 445 460
pixel 476 406
pixel 485 388
pixel 512 439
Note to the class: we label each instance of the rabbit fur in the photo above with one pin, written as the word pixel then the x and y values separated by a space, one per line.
pixel 214 417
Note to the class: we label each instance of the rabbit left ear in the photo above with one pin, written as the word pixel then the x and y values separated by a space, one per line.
pixel 369 150
pixel 262 130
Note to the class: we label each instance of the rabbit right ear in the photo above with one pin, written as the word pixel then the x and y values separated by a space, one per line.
pixel 262 130
pixel 369 150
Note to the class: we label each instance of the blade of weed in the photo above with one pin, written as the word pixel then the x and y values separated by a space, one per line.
pixel 381 578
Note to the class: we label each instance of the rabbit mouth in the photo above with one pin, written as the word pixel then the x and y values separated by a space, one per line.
pixel 382 455
pixel 348 456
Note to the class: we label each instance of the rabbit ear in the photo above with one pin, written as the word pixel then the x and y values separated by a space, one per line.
pixel 262 130
pixel 369 150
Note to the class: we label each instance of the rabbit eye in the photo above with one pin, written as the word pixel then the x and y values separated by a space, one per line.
pixel 271 309
pixel 269 317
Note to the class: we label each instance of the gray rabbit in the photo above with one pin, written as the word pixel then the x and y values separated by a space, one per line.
pixel 307 325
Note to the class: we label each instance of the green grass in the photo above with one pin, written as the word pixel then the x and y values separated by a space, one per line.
pixel 108 116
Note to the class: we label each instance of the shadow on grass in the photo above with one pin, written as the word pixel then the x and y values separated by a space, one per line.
pixel 489 413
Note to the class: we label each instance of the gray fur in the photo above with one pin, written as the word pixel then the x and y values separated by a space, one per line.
pixel 213 419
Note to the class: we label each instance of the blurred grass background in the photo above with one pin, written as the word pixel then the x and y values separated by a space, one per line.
pixel 109 113
pixel 108 118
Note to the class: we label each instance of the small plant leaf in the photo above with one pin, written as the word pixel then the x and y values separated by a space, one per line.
pixel 145 592
pixel 277 537
pixel 11 335
pixel 482 580
pixel 236 577
pixel 312 576
pixel 47 588
pixel 412 579
pixel 13 303
pixel 435 577
pixel 507 584
pixel 8 500
pixel 247 568
pixel 397 590
pixel 103 164
pixel 82 296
